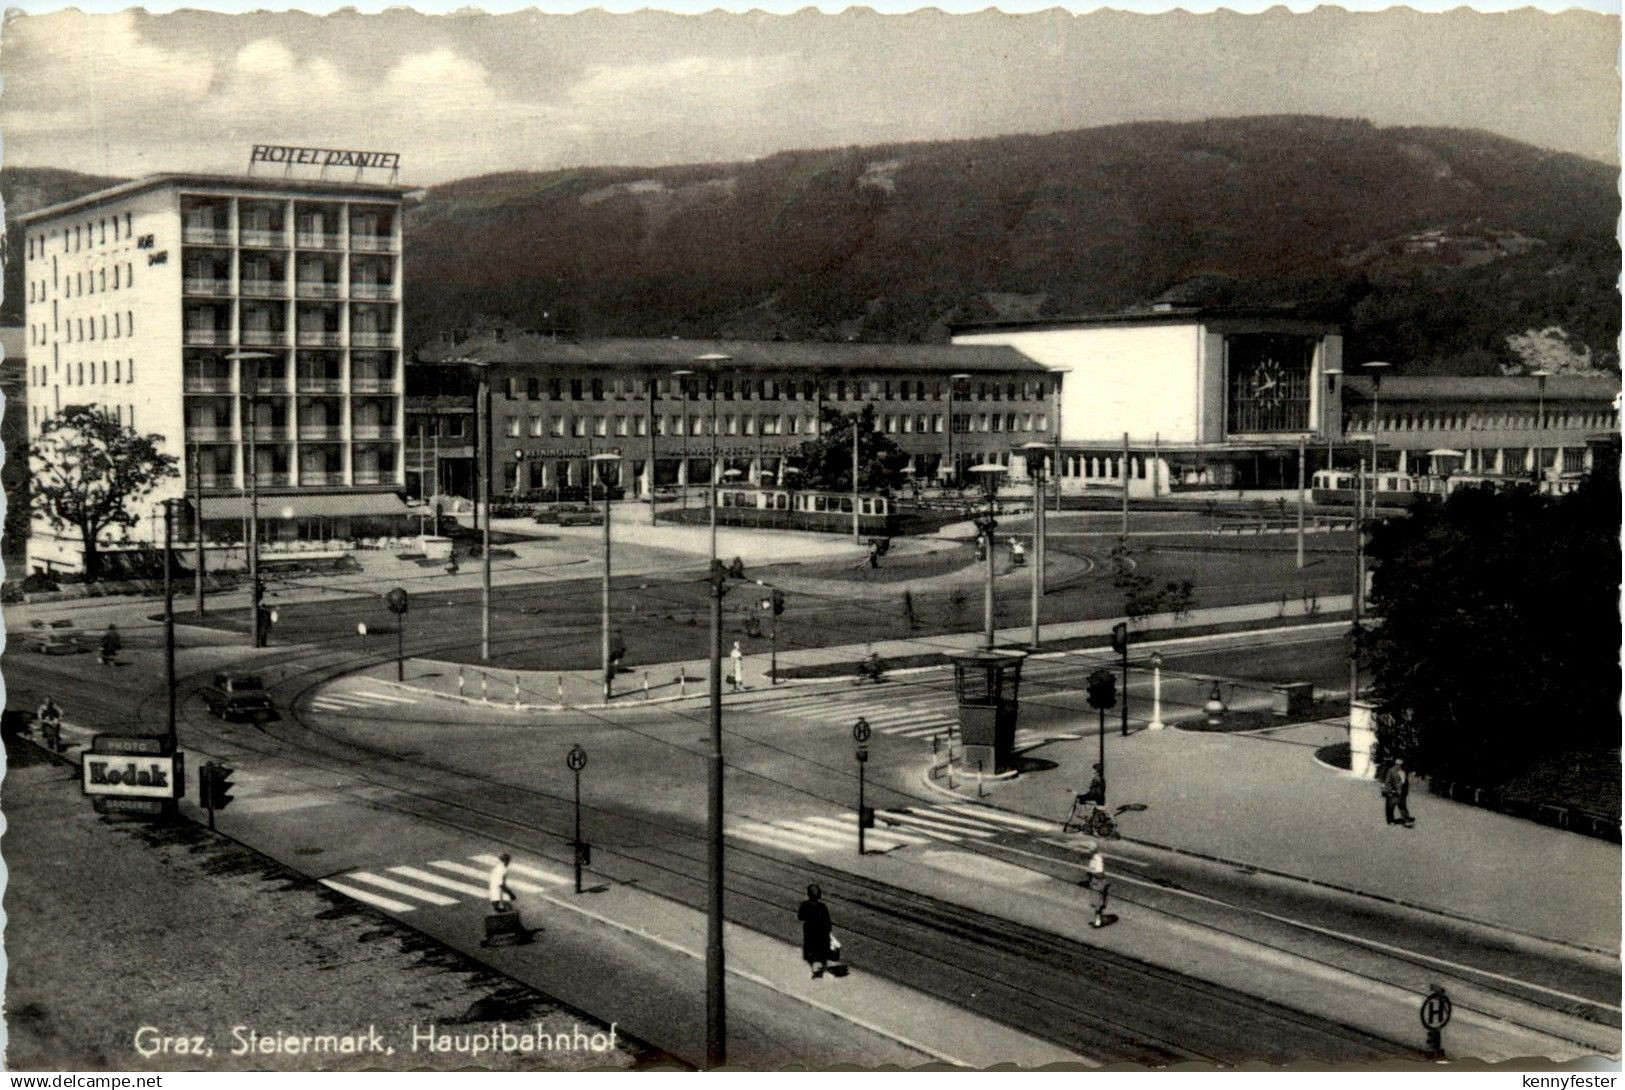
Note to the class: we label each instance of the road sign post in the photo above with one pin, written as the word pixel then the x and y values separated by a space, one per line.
pixel 1435 1014
pixel 576 760
pixel 860 735
pixel 397 601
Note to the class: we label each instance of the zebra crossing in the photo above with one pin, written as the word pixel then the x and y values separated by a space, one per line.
pixel 897 828
pixel 439 884
pixel 900 715
pixel 349 700
pixel 917 715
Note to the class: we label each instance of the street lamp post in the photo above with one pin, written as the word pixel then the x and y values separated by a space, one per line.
pixel 953 385
pixel 1366 498
pixel 1036 454
pixel 712 360
pixel 609 668
pixel 197 523
pixel 989 475
pixel 169 617
pixel 1156 692
pixel 251 481
pixel 654 383
pixel 1332 425
pixel 1540 377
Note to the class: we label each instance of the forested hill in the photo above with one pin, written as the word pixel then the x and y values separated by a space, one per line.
pixel 1439 249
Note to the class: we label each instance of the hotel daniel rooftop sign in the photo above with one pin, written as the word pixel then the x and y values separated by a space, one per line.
pixel 289 156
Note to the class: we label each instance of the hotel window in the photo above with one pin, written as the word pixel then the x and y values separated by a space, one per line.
pixel 555 389
pixel 533 388
pixel 1043 422
pixel 888 390
pixel 730 426
pixel 696 425
pixel 620 425
pixel 748 425
pixel 840 389
pixel 537 424
pixel 642 425
pixel 558 426
pixel 598 389
pixel 745 388
pixel 808 391
pixel 510 387
pixel 998 421
pixel 795 425
pixel 575 389
pixel 513 427
pixel 936 423
pixel 908 424
pixel 600 425
pixel 727 389
pixel 578 426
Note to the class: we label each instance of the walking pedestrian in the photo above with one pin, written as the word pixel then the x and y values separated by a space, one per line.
pixel 111 645
pixel 738 659
pixel 1396 790
pixel 50 721
pixel 504 920
pixel 1099 886
pixel 497 888
pixel 874 553
pixel 815 930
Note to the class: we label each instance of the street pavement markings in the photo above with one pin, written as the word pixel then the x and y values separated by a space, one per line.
pixel 356 699
pixel 893 829
pixel 405 888
pixel 897 715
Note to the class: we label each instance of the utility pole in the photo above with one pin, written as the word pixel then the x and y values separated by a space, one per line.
pixel 169 616
pixel 1124 466
pixel 437 475
pixel 716 1018
pixel 593 465
pixel 197 525
pixel 1359 584
pixel 1301 443
pixel 857 533
pixel 483 428
pixel 654 382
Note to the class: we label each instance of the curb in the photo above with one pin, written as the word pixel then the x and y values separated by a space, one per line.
pixel 1306 880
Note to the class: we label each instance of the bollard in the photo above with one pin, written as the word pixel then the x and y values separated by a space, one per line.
pixel 682 682
pixel 951 785
pixel 516 690
pixel 561 690
pixel 646 685
pixel 461 682
pixel 485 687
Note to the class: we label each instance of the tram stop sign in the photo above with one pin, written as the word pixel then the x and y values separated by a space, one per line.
pixel 396 600
pixel 1436 1010
pixel 576 759
pixel 860 731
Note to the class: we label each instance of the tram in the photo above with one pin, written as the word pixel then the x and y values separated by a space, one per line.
pixel 803 510
pixel 1386 489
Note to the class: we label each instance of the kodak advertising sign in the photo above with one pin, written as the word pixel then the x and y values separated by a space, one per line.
pixel 131 776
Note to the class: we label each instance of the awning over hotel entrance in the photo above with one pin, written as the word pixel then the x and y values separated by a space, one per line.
pixel 319 505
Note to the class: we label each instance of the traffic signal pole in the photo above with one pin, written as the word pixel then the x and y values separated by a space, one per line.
pixel 169 616
pixel 716 1019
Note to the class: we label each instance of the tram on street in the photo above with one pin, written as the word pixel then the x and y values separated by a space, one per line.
pixel 805 510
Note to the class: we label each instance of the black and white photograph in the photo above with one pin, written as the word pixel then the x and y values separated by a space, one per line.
pixel 802 541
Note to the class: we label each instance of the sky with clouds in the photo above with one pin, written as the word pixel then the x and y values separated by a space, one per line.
pixel 457 95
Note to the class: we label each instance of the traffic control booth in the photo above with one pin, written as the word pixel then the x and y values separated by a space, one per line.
pixel 987 686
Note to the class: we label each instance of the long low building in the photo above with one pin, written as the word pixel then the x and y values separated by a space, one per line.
pixel 557 400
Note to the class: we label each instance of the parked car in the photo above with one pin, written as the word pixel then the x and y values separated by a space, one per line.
pixel 238 696
pixel 569 514
pixel 55 641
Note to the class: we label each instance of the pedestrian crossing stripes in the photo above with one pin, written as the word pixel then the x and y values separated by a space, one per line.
pixel 916 715
pixel 897 828
pixel 406 888
pixel 358 699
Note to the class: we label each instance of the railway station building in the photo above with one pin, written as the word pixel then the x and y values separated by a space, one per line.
pixel 556 400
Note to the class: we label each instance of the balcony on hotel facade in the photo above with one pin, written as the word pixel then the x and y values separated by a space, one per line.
pixel 320 372
pixel 372 372
pixel 263 274
pixel 373 418
pixel 372 228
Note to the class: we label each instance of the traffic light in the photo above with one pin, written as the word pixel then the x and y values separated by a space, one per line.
pixel 778 602
pixel 1102 686
pixel 214 785
pixel 1120 637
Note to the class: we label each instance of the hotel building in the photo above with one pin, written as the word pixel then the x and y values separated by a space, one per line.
pixel 202 308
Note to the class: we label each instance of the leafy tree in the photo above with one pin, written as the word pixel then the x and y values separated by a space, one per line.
pixel 1500 630
pixel 825 461
pixel 88 472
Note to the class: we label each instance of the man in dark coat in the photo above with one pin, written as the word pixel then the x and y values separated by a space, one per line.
pixel 815 931
pixel 1396 788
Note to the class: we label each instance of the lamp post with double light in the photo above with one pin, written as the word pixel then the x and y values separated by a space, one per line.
pixel 248 384
pixel 989 475
pixel 1037 454
pixel 595 462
